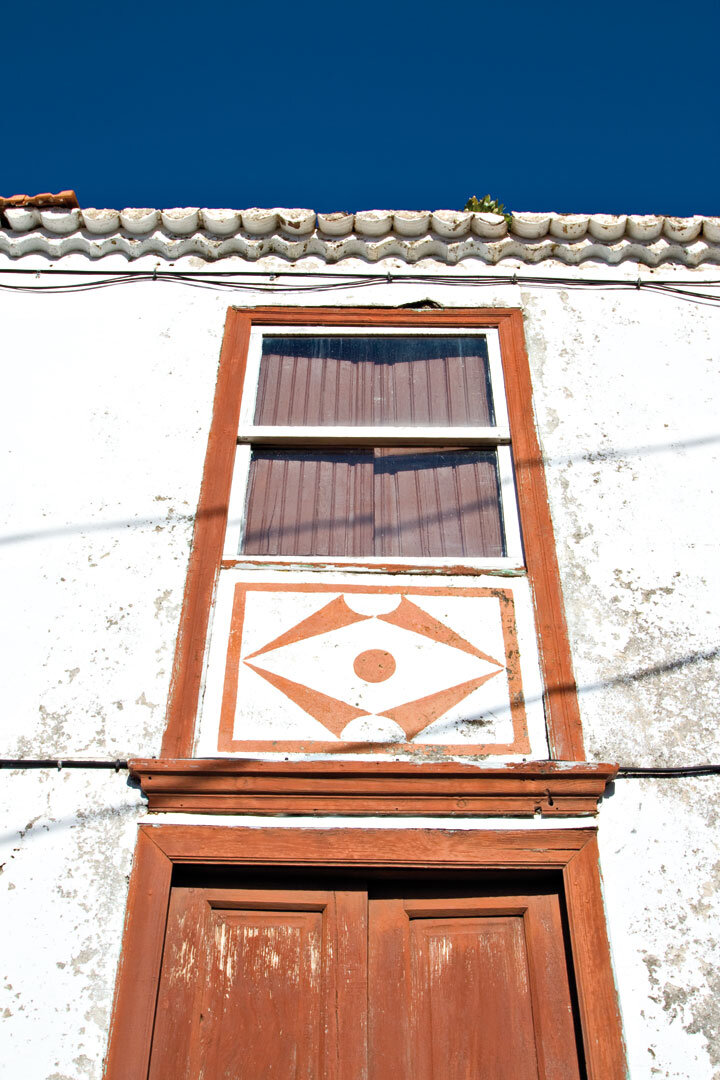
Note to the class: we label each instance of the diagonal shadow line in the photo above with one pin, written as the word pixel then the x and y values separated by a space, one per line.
pixel 385 530
pixel 95 816
pixel 592 457
pixel 628 679
pixel 589 457
pixel 502 710
pixel 367 747
pixel 109 526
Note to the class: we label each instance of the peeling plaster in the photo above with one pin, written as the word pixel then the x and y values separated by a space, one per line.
pixel 95 548
pixel 663 915
pixel 63 890
pixel 632 466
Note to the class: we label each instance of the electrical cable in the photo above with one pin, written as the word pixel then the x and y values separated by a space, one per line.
pixel 62 763
pixel 638 772
pixel 625 772
pixel 227 280
pixel 393 275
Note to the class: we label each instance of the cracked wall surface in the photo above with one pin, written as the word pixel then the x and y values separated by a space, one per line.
pixel 104 429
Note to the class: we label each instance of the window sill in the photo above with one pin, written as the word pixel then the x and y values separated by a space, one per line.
pixel 505 567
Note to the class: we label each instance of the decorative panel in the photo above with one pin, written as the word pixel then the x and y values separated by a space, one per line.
pixel 469 989
pixel 249 985
pixel 347 666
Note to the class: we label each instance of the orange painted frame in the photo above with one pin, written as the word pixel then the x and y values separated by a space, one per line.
pixel 563 716
pixel 573 852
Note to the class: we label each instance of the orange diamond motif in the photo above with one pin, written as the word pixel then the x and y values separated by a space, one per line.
pixel 409 637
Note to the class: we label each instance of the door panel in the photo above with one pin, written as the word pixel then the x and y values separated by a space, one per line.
pixel 479 986
pixel 297 984
pixel 471 991
pixel 261 983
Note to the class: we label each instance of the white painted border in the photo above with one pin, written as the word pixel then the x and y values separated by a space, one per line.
pixel 448 823
pixel 252 378
pixel 509 507
pixel 238 501
pixel 498 432
pixel 513 567
pixel 497 380
pixel 374 435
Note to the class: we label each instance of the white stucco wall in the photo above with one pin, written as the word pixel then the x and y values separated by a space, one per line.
pixel 105 416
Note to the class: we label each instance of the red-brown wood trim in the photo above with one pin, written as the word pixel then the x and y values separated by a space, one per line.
pixel 574 851
pixel 379 316
pixel 238 785
pixel 139 970
pixel 597 998
pixel 65 200
pixel 563 715
pixel 208 538
pixel 432 848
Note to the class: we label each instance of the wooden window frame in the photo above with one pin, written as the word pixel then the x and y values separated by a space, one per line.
pixel 561 706
pixel 160 848
pixel 495 437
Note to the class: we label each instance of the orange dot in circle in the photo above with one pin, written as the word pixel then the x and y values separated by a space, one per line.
pixel 374 665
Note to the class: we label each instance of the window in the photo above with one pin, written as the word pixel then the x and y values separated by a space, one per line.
pixel 362 451
pixel 224 924
pixel 390 445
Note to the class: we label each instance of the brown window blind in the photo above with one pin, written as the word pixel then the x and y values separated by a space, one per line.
pixel 399 380
pixel 406 501
pixel 437 502
pixel 306 502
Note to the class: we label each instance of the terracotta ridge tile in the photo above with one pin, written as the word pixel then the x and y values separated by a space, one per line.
pixel 63 200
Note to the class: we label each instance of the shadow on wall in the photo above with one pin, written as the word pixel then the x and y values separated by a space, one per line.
pixel 87 817
pixel 591 457
pixel 619 680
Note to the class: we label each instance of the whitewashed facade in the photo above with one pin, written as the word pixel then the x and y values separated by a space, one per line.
pixel 106 411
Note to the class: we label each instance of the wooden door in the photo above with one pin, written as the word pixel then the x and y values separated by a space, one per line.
pixel 469 988
pixel 298 984
pixel 262 984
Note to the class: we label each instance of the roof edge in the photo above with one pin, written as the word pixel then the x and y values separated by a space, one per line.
pixel 58 228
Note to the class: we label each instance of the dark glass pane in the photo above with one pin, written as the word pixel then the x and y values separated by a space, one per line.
pixel 374 380
pixel 404 501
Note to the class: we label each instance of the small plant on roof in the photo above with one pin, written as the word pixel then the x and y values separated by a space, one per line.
pixel 487 205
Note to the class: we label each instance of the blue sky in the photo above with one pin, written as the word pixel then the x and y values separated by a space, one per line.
pixel 555 106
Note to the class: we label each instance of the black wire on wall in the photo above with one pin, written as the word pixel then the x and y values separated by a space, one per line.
pixel 686 289
pixel 624 772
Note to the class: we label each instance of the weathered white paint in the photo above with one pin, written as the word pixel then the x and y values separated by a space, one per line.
pixel 105 418
pixel 659 857
pixel 65 852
